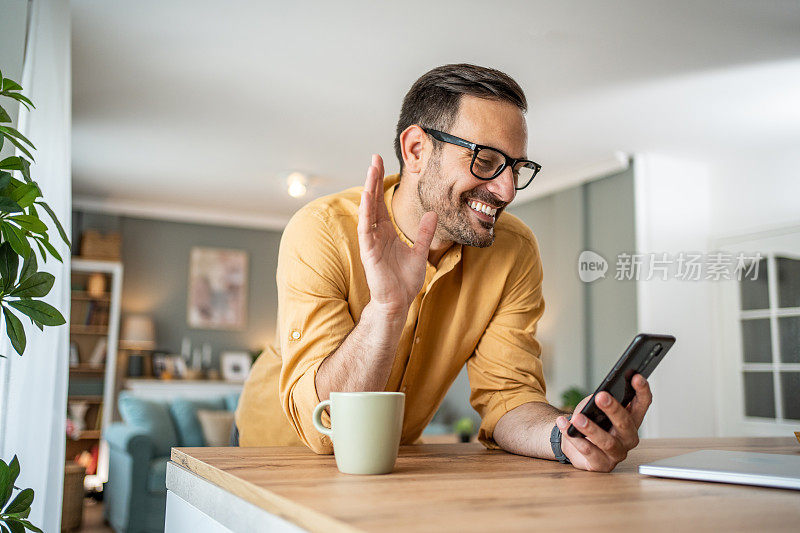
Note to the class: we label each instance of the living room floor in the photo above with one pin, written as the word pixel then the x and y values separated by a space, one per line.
pixel 93 518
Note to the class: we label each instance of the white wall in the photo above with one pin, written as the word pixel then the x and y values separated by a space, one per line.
pixel 687 206
pixel 672 215
pixel 756 191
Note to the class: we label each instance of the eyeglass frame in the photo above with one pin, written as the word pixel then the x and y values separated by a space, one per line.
pixel 509 161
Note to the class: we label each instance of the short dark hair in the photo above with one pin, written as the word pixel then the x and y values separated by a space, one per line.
pixel 434 99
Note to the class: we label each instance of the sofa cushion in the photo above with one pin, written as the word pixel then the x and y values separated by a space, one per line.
pixel 231 401
pixel 216 426
pixel 157 475
pixel 153 417
pixel 184 414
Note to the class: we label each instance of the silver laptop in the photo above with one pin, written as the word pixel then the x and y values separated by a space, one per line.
pixel 745 468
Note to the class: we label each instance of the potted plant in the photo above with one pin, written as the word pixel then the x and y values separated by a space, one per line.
pixel 21 287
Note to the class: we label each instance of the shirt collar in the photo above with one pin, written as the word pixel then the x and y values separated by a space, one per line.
pixel 453 254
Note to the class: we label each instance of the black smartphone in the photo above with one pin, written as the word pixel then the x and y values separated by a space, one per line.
pixel 641 357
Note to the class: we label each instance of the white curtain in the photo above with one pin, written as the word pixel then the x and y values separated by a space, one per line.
pixel 35 400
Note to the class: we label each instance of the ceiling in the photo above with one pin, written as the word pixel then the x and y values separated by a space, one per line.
pixel 200 109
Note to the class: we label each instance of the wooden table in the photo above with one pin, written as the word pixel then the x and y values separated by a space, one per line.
pixel 463 487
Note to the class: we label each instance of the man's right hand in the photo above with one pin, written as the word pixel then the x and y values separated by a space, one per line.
pixel 395 273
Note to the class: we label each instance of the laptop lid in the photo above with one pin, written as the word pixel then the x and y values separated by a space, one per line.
pixel 722 466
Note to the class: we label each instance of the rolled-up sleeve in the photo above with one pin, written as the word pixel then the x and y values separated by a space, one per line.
pixel 313 316
pixel 505 370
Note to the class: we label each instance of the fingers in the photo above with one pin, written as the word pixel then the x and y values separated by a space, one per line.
pixel 641 402
pixel 582 452
pixel 623 423
pixel 608 443
pixel 366 210
pixel 425 233
pixel 377 162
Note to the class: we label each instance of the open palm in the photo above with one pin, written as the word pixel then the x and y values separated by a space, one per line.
pixel 395 272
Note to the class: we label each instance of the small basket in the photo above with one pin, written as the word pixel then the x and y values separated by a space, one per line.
pixel 72 506
pixel 95 245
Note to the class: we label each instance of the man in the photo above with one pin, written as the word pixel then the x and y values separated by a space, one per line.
pixel 396 285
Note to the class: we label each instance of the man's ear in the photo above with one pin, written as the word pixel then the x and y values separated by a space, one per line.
pixel 413 143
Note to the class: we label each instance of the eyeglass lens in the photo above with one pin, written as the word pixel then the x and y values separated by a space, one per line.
pixel 488 163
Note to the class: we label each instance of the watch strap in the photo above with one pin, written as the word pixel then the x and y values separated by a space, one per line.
pixel 555 444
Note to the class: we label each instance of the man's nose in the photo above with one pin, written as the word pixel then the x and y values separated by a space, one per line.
pixel 503 185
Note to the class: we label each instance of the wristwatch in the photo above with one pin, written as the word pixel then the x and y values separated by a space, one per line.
pixel 555 443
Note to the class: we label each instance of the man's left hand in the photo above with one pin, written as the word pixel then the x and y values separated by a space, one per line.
pixel 600 450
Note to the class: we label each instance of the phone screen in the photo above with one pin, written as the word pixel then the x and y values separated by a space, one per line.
pixel 641 357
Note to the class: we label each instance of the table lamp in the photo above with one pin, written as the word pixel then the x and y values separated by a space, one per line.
pixel 138 335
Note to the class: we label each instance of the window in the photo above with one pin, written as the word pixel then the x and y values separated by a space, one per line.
pixel 769 319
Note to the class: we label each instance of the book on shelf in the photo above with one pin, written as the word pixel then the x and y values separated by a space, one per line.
pixel 98 421
pixel 98 356
pixel 96 313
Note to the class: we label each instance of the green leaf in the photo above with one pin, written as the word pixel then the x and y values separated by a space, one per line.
pixel 11 163
pixel 14 468
pixel 6 485
pixel 16 238
pixel 5 179
pixel 15 331
pixel 20 98
pixel 11 85
pixel 3 528
pixel 26 194
pixel 39 311
pixel 19 146
pixel 4 115
pixel 7 205
pixel 36 286
pixel 42 251
pixel 59 227
pixel 25 168
pixel 15 525
pixel 29 267
pixel 49 247
pixel 30 526
pixel 9 263
pixel 15 133
pixel 30 223
pixel 23 501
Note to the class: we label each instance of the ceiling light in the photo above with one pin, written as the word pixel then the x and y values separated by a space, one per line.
pixel 296 184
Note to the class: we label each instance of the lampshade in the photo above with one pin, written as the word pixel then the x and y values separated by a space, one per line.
pixel 138 333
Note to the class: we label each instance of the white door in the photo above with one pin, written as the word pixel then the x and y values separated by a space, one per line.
pixel 758 349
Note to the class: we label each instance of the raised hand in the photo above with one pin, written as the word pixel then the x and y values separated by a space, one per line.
pixel 395 272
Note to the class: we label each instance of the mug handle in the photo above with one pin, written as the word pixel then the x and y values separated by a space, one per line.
pixel 317 417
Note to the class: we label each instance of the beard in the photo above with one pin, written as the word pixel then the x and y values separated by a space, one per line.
pixel 456 223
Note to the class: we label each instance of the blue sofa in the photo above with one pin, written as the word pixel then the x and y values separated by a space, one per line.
pixel 139 448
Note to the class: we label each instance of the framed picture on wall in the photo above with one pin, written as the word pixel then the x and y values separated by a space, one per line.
pixel 217 289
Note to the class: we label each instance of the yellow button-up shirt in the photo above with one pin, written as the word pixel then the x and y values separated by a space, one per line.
pixel 478 306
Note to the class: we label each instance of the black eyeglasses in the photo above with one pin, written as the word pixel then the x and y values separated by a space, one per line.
pixel 488 163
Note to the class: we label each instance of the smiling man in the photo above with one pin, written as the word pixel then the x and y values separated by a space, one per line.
pixel 397 285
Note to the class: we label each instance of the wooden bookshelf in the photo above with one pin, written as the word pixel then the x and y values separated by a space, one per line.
pixel 84 295
pixel 80 329
pixel 95 319
pixel 85 369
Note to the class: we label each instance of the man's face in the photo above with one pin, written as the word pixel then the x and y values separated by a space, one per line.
pixel 448 187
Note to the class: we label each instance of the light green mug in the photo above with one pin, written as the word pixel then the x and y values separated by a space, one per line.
pixel 365 430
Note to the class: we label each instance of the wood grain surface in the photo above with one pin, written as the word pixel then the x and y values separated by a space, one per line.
pixel 464 487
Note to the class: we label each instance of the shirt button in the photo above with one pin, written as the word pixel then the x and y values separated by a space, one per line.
pixel 295 335
pixel 416 340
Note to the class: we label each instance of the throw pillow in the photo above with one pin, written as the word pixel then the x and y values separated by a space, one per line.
pixel 216 426
pixel 184 414
pixel 151 416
